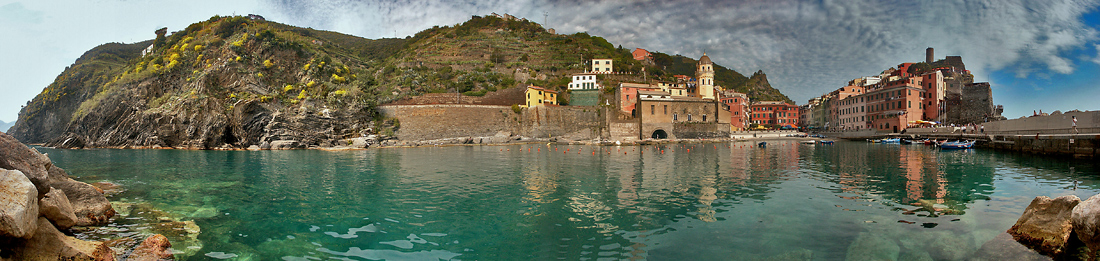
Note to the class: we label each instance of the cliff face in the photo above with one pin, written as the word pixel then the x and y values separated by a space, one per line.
pixel 227 82
pixel 758 89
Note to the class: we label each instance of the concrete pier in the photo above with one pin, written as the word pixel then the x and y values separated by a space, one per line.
pixel 1048 134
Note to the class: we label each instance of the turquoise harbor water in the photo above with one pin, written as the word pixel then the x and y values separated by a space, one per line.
pixel 715 202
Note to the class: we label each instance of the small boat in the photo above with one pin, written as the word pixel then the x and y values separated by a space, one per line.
pixel 762 144
pixel 809 141
pixel 929 142
pixel 873 140
pixel 957 145
pixel 891 141
pixel 906 142
pixel 826 142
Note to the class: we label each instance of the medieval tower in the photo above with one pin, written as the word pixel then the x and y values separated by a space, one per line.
pixel 704 72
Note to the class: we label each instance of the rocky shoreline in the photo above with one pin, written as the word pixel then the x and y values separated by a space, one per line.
pixel 41 206
pixel 389 142
pixel 1063 228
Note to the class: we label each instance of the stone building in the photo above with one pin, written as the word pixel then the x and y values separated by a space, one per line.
pixel 660 116
pixel 973 104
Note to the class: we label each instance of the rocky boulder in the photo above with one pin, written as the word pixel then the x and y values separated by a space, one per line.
pixel 56 208
pixel 1086 222
pixel 285 145
pixel 1045 225
pixel 18 205
pixel 155 247
pixel 50 244
pixel 15 155
pixel 88 202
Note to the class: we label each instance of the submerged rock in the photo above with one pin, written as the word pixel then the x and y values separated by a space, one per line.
pixel 1045 225
pixel 869 246
pixel 155 247
pixel 50 244
pixel 18 205
pixel 1004 248
pixel 56 207
pixel 1086 222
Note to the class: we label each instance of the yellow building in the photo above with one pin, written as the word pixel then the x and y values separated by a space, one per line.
pixel 602 66
pixel 538 96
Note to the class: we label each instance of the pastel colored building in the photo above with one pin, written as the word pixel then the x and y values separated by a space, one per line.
pixel 704 72
pixel 602 66
pixel 628 95
pixel 538 96
pixel 738 107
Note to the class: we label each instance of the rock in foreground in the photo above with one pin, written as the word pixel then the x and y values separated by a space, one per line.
pixel 1086 222
pixel 1045 225
pixel 18 204
pixel 50 244
pixel 55 207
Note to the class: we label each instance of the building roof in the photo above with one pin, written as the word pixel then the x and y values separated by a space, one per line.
pixel 638 85
pixel 654 93
pixel 704 59
pixel 541 89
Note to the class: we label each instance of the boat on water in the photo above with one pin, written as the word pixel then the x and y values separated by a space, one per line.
pixel 809 141
pixel 891 141
pixel 762 144
pixel 826 142
pixel 905 141
pixel 957 145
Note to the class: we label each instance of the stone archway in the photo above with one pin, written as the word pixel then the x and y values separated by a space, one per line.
pixel 659 135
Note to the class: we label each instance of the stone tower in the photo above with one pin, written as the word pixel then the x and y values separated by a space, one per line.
pixel 704 72
pixel 929 55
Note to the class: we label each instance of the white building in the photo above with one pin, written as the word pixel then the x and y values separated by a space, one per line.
pixel 584 81
pixel 602 66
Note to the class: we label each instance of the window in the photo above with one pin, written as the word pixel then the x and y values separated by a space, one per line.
pixel 674 117
pixel 652 109
pixel 689 116
pixel 704 117
pixel 666 109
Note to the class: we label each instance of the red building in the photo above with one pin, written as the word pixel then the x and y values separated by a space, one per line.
pixel 641 54
pixel 774 113
pixel 739 109
pixel 629 95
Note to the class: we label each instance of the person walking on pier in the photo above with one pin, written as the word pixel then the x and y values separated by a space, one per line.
pixel 1075 125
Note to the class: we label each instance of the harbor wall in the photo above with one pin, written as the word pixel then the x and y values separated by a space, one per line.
pixel 443 121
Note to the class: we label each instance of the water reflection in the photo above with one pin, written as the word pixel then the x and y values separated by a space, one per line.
pixel 538 201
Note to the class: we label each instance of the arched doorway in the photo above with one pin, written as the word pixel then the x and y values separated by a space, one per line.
pixel 660 134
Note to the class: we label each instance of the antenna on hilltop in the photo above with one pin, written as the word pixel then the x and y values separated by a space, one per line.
pixel 544 15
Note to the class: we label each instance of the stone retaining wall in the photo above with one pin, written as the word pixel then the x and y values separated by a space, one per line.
pixel 442 121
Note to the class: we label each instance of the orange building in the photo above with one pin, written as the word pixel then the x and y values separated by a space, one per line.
pixel 641 54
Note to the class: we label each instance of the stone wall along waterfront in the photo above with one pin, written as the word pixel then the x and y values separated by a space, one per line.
pixel 432 122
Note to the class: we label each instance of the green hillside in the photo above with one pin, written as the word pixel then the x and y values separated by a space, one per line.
pixel 233 81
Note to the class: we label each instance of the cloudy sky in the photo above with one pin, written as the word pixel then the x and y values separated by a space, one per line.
pixel 1036 54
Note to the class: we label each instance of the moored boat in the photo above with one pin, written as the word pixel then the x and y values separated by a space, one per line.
pixel 957 145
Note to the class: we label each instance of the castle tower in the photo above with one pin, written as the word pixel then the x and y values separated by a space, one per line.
pixel 928 56
pixel 704 73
